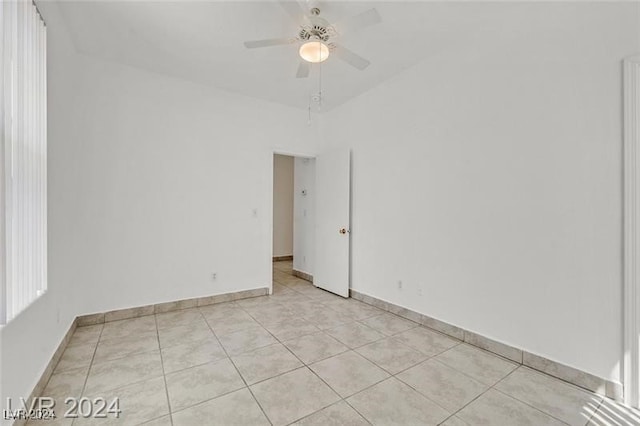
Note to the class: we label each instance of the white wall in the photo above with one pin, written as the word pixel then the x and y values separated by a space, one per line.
pixel 488 180
pixel 28 341
pixel 282 205
pixel 171 168
pixel 304 214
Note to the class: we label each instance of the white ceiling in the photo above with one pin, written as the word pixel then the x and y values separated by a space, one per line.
pixel 202 41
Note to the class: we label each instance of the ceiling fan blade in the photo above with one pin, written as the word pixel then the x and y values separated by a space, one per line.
pixel 303 69
pixel 294 10
pixel 359 21
pixel 268 42
pixel 351 58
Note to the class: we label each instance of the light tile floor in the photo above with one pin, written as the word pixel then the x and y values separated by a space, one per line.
pixel 304 356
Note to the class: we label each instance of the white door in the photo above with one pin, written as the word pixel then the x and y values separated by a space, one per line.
pixel 332 222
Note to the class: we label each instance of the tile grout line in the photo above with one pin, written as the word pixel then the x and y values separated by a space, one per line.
pixel 594 413
pixel 236 368
pixel 428 357
pixel 92 360
pixel 164 375
pixel 493 387
pixel 206 400
pixel 459 342
pixel 308 366
pixel 527 403
pixel 358 321
pixel 304 365
pixel 482 393
pixel 331 405
pixel 86 379
pixel 200 365
pixel 119 357
pixel 356 410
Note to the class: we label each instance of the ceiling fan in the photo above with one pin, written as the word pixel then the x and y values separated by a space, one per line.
pixel 316 37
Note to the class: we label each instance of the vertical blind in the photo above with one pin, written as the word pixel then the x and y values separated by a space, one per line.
pixel 23 148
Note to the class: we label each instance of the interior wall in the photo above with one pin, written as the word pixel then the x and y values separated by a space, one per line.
pixel 28 342
pixel 282 205
pixel 304 214
pixel 179 168
pixel 488 180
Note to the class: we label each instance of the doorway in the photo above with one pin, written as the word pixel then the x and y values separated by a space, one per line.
pixel 293 217
pixel 319 249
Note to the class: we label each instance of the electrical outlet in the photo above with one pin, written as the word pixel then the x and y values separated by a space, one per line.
pixel 214 276
pixel 399 285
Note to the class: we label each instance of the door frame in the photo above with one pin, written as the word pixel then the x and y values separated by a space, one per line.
pixel 631 230
pixel 273 152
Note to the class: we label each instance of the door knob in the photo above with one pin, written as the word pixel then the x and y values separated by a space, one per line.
pixel 343 230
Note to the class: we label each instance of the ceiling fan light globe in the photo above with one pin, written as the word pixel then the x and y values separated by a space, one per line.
pixel 314 51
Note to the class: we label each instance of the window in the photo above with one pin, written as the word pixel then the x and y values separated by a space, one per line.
pixel 23 157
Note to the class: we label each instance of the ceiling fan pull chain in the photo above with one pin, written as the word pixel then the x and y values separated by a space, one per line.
pixel 319 83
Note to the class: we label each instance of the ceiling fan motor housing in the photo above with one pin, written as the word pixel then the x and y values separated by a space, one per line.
pixel 317 28
pixel 314 33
